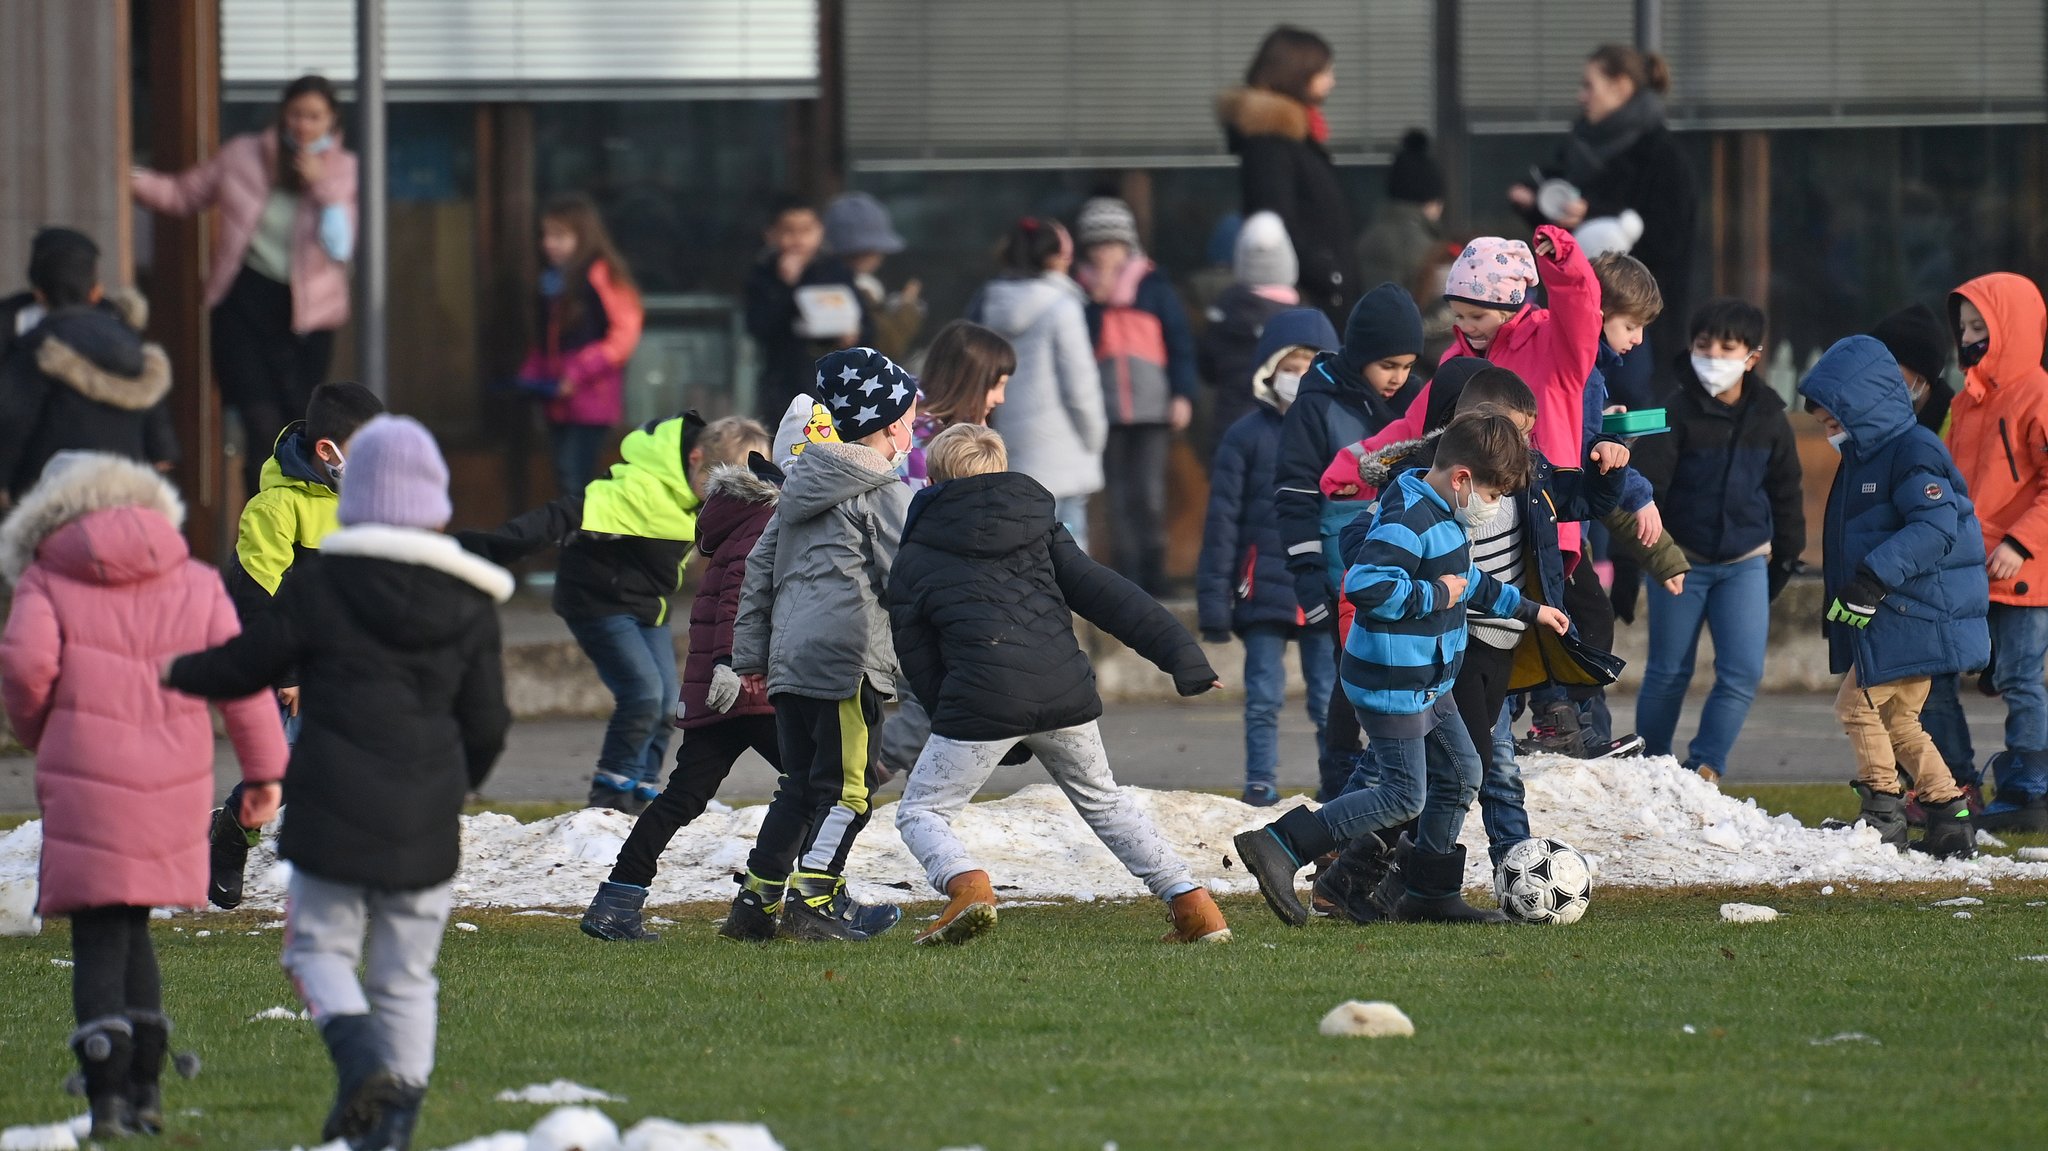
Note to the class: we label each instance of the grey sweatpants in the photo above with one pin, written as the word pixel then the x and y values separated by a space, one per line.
pixel 323 941
pixel 950 771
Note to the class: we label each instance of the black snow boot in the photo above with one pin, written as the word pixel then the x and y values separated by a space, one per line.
pixel 1276 852
pixel 1950 833
pixel 398 1112
pixel 1435 890
pixel 1394 884
pixel 819 910
pixel 614 914
pixel 1554 730
pixel 228 844
pixel 1350 886
pixel 362 1083
pixel 754 910
pixel 145 1072
pixel 106 1052
pixel 1884 813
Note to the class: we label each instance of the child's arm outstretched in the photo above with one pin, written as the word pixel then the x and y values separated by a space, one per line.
pixel 757 605
pixel 1570 342
pixel 30 652
pixel 266 649
pixel 251 720
pixel 547 526
pixel 1124 610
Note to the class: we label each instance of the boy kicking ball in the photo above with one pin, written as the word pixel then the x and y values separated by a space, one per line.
pixel 982 599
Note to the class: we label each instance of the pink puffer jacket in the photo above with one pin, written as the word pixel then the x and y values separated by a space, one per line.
pixel 238 180
pixel 105 593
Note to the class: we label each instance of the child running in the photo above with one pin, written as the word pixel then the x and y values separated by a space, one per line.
pixel 980 600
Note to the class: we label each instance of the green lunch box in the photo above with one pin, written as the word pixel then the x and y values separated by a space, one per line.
pixel 1643 422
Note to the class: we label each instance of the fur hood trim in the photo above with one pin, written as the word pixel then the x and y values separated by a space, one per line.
pixel 737 481
pixel 1378 468
pixel 61 361
pixel 131 305
pixel 76 484
pixel 421 548
pixel 1258 112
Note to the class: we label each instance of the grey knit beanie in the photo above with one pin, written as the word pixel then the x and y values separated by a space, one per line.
pixel 1265 256
pixel 1106 219
pixel 395 475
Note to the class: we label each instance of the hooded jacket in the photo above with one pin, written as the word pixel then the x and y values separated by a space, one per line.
pixel 105 591
pixel 1227 352
pixel 1899 510
pixel 84 380
pixel 738 504
pixel 812 616
pixel 1727 475
pixel 395 635
pixel 1053 417
pixel 981 600
pixel 1998 429
pixel 1285 170
pixel 292 511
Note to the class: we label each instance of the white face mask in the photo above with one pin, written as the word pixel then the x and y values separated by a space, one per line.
pixel 1477 511
pixel 1286 385
pixel 335 469
pixel 1717 375
pixel 1838 439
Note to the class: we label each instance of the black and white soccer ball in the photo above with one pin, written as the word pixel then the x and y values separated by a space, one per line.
pixel 1543 881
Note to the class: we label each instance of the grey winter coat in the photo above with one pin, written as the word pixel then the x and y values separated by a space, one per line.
pixel 1052 416
pixel 812 614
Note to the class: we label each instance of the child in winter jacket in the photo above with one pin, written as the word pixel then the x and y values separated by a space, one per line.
pixel 394 631
pixel 1146 353
pixel 980 598
pixel 624 541
pixel 104 592
pixel 1242 585
pixel 281 524
pixel 1411 580
pixel 1904 561
pixel 1998 433
pixel 794 271
pixel 1727 477
pixel 1263 273
pixel 589 324
pixel 813 633
pixel 80 378
pixel 719 718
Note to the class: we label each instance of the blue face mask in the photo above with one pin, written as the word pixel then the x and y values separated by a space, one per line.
pixel 317 146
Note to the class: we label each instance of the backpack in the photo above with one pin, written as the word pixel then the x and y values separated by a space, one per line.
pixel 1131 351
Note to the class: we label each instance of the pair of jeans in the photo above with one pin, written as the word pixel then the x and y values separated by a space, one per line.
pixel 1434 776
pixel 1733 602
pixel 1265 691
pixel 638 666
pixel 1072 512
pixel 1946 724
pixel 2019 645
pixel 324 928
pixel 575 448
pixel 1134 465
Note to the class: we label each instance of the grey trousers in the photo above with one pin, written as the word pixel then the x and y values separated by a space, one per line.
pixel 325 923
pixel 950 772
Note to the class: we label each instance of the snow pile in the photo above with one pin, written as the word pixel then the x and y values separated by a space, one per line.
pixel 559 1091
pixel 588 1129
pixel 19 850
pixel 1747 913
pixel 46 1137
pixel 1639 822
pixel 1375 1020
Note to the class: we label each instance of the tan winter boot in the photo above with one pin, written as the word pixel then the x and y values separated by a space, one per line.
pixel 1196 919
pixel 970 911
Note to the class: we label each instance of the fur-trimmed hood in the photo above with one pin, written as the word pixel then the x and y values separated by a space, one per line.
pixel 735 498
pixel 737 481
pixel 1383 465
pixel 1259 112
pixel 421 548
pixel 77 484
pixel 99 353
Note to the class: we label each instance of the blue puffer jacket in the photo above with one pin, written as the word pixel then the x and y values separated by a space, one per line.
pixel 1242 580
pixel 1900 510
pixel 1635 490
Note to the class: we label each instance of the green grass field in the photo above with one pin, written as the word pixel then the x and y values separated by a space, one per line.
pixel 1069 1027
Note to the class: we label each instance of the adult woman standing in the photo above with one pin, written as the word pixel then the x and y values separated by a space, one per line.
pixel 1275 126
pixel 1621 157
pixel 278 287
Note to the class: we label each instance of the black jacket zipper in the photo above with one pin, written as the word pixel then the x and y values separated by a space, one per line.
pixel 2005 439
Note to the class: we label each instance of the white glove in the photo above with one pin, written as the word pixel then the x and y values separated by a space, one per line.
pixel 724 690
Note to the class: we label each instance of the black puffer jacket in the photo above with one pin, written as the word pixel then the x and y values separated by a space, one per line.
pixel 979 599
pixel 395 635
pixel 83 380
pixel 1285 170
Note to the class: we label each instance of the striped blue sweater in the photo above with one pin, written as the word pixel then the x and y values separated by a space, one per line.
pixel 1408 637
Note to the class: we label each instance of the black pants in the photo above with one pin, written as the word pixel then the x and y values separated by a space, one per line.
pixel 702 763
pixel 1480 690
pixel 1134 469
pixel 829 757
pixel 266 371
pixel 114 968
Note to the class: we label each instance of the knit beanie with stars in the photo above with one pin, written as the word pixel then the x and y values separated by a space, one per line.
pixel 865 390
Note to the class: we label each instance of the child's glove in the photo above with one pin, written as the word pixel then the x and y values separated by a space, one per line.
pixel 1781 573
pixel 724 690
pixel 1857 603
pixel 1312 592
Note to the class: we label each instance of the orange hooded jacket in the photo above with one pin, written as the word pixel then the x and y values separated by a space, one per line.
pixel 1998 428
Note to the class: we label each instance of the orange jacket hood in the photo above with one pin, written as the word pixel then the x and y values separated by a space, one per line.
pixel 2018 322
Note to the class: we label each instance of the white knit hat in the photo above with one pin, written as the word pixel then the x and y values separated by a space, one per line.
pixel 1264 256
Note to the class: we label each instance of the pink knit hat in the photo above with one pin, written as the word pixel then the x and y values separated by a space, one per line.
pixel 1492 272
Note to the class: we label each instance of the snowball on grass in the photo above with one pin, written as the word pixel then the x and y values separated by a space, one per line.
pixel 1374 1020
pixel 1748 913
pixel 668 1135
pixel 45 1137
pixel 574 1129
pixel 559 1091
pixel 279 1013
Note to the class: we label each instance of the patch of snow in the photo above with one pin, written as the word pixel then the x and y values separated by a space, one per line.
pixel 1846 1037
pixel 284 1013
pixel 1375 1020
pixel 1747 913
pixel 46 1136
pixel 1964 915
pixel 574 1129
pixel 661 921
pixel 2033 854
pixel 668 1135
pixel 19 850
pixel 62 963
pixel 1986 839
pixel 2033 959
pixel 717 807
pixel 201 934
pixel 1828 890
pixel 1689 1029
pixel 154 912
pixel 461 926
pixel 1959 901
pixel 559 1091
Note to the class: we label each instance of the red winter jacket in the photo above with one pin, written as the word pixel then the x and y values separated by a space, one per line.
pixel 737 508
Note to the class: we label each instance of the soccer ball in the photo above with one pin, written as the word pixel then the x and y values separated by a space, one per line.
pixel 1543 881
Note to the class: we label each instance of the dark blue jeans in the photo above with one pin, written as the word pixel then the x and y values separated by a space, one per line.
pixel 1441 770
pixel 638 666
pixel 1265 691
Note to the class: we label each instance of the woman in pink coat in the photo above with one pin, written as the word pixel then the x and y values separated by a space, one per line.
pixel 278 288
pixel 105 593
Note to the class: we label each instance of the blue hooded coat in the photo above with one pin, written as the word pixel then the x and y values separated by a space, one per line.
pixel 1898 509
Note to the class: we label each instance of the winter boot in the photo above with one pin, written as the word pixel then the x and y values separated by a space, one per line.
pixel 227 855
pixel 970 910
pixel 1259 795
pixel 754 910
pixel 610 792
pixel 818 909
pixel 1196 919
pixel 1435 889
pixel 1949 831
pixel 1276 852
pixel 1351 886
pixel 362 1083
pixel 1553 730
pixel 614 914
pixel 1885 813
pixel 106 1057
pixel 145 1072
pixel 398 1112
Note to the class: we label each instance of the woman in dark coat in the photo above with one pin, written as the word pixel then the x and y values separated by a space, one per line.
pixel 1275 126
pixel 1619 157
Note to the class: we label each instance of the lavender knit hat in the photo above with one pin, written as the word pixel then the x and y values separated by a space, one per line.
pixel 395 475
pixel 1493 273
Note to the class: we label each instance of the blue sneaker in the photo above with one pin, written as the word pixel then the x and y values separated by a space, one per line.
pixel 644 795
pixel 613 792
pixel 1260 795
